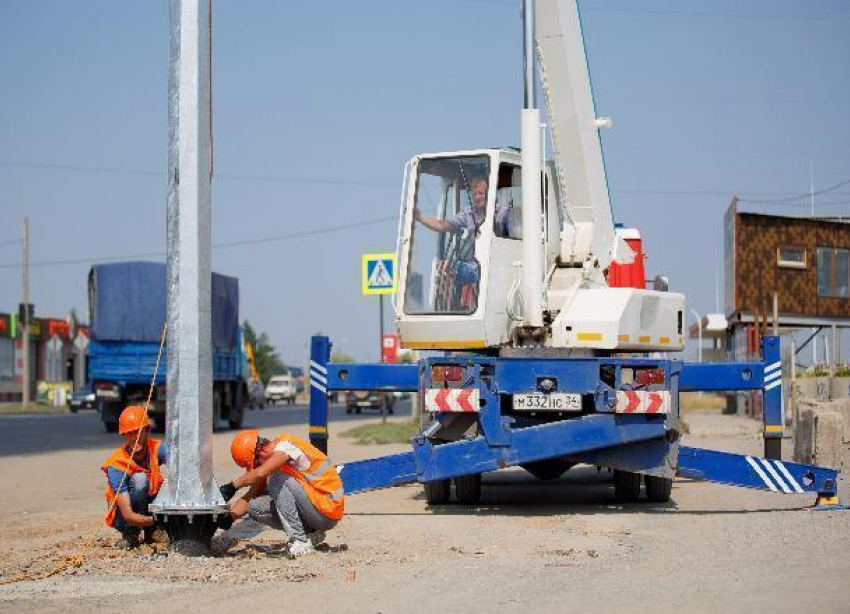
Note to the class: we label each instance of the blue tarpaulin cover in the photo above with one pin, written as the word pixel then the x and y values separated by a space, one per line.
pixel 127 302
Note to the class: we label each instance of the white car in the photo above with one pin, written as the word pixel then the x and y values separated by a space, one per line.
pixel 281 388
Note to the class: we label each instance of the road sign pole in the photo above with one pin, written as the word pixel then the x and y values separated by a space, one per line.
pixel 381 351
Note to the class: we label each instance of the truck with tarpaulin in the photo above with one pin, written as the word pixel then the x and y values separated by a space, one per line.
pixel 127 306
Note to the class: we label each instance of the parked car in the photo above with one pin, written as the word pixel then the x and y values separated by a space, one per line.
pixel 281 388
pixel 358 400
pixel 256 394
pixel 82 398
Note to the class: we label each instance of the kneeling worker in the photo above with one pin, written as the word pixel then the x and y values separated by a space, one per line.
pixel 292 486
pixel 134 473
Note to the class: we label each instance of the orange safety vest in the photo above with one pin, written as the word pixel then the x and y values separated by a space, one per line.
pixel 321 482
pixel 123 462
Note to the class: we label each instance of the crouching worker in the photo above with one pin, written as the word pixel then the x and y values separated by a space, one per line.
pixel 134 473
pixel 292 486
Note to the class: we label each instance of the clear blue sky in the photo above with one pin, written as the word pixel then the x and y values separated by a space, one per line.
pixel 317 106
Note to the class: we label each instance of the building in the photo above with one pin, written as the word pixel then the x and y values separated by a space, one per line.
pixel 797 268
pixel 801 263
pixel 58 351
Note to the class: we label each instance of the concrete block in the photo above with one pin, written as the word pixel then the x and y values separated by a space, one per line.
pixel 829 431
pixel 804 434
pixel 822 430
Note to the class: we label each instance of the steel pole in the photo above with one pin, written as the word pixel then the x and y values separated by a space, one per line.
pixel 189 498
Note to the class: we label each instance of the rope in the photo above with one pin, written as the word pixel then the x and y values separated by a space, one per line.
pixel 76 559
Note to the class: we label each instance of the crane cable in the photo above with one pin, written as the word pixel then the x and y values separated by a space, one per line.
pixel 76 559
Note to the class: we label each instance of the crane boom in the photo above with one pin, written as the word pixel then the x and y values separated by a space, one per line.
pixel 574 128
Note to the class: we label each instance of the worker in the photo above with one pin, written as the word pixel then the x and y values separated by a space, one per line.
pixel 291 486
pixel 134 474
pixel 472 218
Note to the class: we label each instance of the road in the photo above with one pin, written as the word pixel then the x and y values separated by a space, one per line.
pixel 36 433
pixel 561 546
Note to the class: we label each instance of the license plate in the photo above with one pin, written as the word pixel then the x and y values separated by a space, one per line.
pixel 364 404
pixel 556 401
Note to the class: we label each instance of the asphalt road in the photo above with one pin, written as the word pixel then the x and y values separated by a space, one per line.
pixel 37 434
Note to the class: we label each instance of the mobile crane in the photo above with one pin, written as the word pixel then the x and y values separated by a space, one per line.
pixel 504 263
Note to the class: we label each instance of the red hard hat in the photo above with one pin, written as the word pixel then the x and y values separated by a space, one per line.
pixel 243 447
pixel 132 419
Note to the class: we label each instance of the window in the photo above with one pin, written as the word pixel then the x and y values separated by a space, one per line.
pixel 833 272
pixel 450 204
pixel 507 221
pixel 791 257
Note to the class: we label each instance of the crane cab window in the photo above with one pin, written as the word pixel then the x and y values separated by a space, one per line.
pixel 450 205
pixel 507 220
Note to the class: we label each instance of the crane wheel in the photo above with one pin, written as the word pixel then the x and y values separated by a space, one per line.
pixel 437 492
pixel 627 486
pixel 658 489
pixel 468 489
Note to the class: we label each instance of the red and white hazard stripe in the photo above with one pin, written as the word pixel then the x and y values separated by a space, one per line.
pixel 456 400
pixel 643 402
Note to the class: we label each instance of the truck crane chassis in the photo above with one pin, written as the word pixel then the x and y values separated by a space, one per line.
pixel 603 433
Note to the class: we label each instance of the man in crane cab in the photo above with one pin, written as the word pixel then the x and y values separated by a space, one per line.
pixel 472 218
pixel 459 271
pixel 291 486
pixel 134 474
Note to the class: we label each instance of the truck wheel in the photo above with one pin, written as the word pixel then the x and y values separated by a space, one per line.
pixel 236 417
pixel 108 416
pixel 627 486
pixel 111 427
pixel 468 489
pixel 437 492
pixel 159 424
pixel 658 489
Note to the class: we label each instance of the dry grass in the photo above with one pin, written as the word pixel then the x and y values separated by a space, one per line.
pixel 706 402
pixel 11 409
pixel 391 432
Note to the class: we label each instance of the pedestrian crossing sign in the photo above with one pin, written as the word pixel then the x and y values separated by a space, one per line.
pixel 379 274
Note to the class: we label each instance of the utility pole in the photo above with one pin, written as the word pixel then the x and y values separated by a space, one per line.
pixel 25 299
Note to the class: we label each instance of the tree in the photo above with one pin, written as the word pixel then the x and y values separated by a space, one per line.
pixel 338 356
pixel 268 362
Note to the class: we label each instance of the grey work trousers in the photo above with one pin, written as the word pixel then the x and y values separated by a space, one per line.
pixel 288 507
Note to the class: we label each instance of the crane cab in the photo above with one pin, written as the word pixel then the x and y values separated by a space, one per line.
pixel 461 248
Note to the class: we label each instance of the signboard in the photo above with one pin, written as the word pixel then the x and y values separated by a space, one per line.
pixel 5 325
pixel 389 349
pixel 379 275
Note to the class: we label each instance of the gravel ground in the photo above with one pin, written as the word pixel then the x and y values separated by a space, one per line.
pixel 554 546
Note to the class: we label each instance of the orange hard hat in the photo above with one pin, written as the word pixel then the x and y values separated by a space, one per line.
pixel 243 448
pixel 132 419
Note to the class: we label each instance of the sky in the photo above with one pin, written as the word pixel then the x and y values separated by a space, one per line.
pixel 318 105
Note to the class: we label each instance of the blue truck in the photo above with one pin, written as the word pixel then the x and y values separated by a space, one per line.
pixel 127 307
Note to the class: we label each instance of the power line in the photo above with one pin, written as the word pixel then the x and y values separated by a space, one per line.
pixel 799 196
pixel 13 241
pixel 106 170
pixel 230 244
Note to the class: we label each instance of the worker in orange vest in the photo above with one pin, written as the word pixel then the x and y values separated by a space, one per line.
pixel 134 474
pixel 291 486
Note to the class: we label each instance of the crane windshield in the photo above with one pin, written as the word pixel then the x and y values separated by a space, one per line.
pixel 450 205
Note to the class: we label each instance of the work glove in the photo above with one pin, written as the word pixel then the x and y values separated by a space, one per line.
pixel 228 491
pixel 224 522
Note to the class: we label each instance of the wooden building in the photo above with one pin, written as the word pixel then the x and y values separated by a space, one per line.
pixel 804 262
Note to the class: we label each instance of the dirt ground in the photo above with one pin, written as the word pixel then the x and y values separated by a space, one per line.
pixel 554 547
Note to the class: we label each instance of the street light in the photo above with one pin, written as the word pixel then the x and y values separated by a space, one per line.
pixel 699 333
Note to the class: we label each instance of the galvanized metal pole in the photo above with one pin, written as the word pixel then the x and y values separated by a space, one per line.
pixel 532 252
pixel 25 298
pixel 190 497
